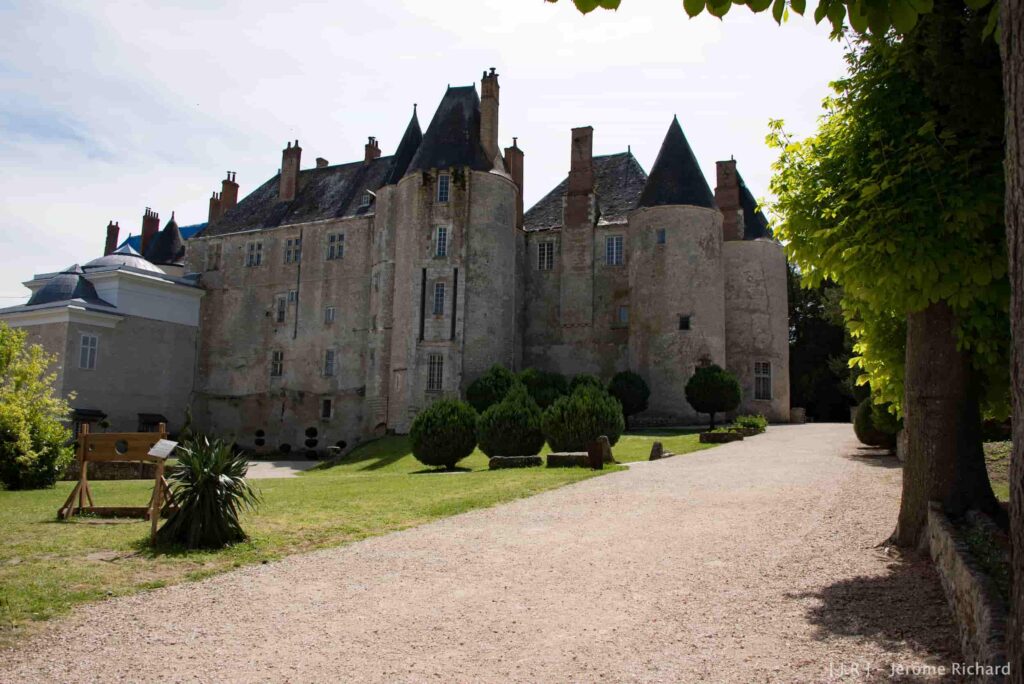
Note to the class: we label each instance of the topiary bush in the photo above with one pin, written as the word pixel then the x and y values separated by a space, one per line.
pixel 512 426
pixel 574 421
pixel 544 387
pixel 632 392
pixel 490 388
pixel 444 433
pixel 755 421
pixel 712 389
pixel 584 379
pixel 872 432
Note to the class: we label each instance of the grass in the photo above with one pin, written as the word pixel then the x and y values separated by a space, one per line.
pixel 47 567
pixel 997 457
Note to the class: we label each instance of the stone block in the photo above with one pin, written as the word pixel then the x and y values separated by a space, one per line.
pixel 500 462
pixel 568 459
pixel 657 451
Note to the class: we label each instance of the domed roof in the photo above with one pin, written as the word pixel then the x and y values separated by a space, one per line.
pixel 65 286
pixel 124 256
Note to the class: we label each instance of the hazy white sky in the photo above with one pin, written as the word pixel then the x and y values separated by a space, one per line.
pixel 110 107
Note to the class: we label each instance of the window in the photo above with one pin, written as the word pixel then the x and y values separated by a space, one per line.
pixel 293 296
pixel 444 187
pixel 613 250
pixel 365 200
pixel 763 380
pixel 213 256
pixel 546 255
pixel 435 373
pixel 335 246
pixel 373 323
pixel 329 314
pixel 438 299
pixel 254 254
pixel 293 250
pixel 326 409
pixel 684 322
pixel 622 318
pixel 376 281
pixel 280 308
pixel 328 363
pixel 662 236
pixel 87 357
pixel 276 364
pixel 441 241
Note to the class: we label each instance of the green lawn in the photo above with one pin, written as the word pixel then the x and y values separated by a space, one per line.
pixel 997 457
pixel 46 566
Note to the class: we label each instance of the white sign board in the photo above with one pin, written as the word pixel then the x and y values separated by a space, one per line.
pixel 163 448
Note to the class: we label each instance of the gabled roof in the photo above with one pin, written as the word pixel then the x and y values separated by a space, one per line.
pixel 618 181
pixel 324 193
pixel 676 177
pixel 755 224
pixel 453 136
pixel 167 247
pixel 68 285
pixel 406 150
pixel 134 242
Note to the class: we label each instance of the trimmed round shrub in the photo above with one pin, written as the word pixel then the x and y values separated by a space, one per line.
pixel 490 388
pixel 512 426
pixel 444 433
pixel 574 421
pixel 872 432
pixel 712 389
pixel 545 387
pixel 584 379
pixel 631 391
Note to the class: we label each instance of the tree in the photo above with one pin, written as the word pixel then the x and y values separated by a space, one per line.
pixel 33 440
pixel 490 388
pixel 584 379
pixel 512 427
pixel 877 16
pixel 711 390
pixel 631 391
pixel 444 433
pixel 544 386
pixel 576 420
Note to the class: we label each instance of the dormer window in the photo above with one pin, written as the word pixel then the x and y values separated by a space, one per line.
pixel 365 200
pixel 444 187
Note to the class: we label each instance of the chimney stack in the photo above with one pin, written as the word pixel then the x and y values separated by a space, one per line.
pixel 321 163
pixel 489 114
pixel 215 212
pixel 727 197
pixel 150 226
pixel 112 232
pixel 372 151
pixel 514 164
pixel 581 162
pixel 291 157
pixel 228 194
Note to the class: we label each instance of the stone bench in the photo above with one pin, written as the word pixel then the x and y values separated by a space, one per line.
pixel 500 462
pixel 569 459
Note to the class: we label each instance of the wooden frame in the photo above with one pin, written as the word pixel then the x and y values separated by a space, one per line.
pixel 119 447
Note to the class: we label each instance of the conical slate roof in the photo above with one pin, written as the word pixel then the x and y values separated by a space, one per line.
pixel 676 177
pixel 453 137
pixel 755 224
pixel 167 247
pixel 67 285
pixel 406 150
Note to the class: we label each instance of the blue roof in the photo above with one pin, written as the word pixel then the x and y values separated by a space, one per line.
pixel 135 241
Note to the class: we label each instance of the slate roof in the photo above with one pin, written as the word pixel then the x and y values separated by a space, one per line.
pixel 755 224
pixel 167 246
pixel 676 177
pixel 70 284
pixel 406 150
pixel 122 256
pixel 453 136
pixel 134 242
pixel 618 181
pixel 324 193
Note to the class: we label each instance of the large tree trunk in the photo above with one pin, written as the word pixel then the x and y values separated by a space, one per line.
pixel 942 417
pixel 1012 44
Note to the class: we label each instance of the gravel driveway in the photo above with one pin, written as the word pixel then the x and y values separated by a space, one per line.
pixel 753 561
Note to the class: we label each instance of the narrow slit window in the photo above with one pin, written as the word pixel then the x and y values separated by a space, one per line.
pixel 326 409
pixel 438 299
pixel 444 187
pixel 329 363
pixel 684 322
pixel 763 380
pixel 613 250
pixel 280 308
pixel 662 236
pixel 435 373
pixel 329 314
pixel 441 242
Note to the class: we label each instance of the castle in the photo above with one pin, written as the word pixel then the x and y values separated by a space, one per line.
pixel 338 301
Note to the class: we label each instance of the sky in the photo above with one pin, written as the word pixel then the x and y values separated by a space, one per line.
pixel 112 107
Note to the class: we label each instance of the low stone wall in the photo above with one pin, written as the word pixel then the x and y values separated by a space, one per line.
pixel 978 609
pixel 500 462
pixel 719 437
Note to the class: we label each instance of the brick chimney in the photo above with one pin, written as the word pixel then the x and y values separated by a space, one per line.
pixel 514 164
pixel 291 157
pixel 112 232
pixel 489 114
pixel 581 162
pixel 228 193
pixel 372 151
pixel 215 212
pixel 150 226
pixel 727 197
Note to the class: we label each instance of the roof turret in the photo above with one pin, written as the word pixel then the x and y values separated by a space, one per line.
pixel 676 177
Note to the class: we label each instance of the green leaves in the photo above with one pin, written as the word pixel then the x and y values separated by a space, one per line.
pixel 693 7
pixel 904 15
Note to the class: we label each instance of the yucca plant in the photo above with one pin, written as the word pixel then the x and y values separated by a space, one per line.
pixel 209 487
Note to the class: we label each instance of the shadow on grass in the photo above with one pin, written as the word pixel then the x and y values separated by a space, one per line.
pixel 904 607
pixel 380 453
pixel 441 471
pixel 663 432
